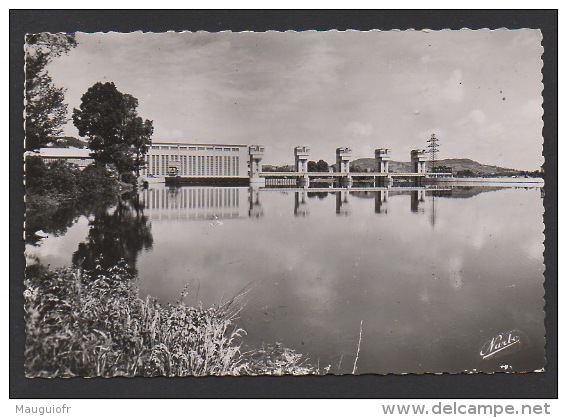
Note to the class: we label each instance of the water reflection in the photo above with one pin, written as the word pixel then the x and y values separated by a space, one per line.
pixel 256 210
pixel 301 208
pixel 206 203
pixel 431 289
pixel 55 220
pixel 119 233
pixel 341 203
pixel 319 195
pixel 417 201
pixel 381 202
pixel 178 203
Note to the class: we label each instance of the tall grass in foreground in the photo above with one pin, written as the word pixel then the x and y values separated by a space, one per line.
pixel 94 323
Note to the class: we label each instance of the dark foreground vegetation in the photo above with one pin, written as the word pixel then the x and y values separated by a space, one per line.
pixel 94 323
pixel 54 189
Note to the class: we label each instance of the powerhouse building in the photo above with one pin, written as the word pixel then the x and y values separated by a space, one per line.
pixel 196 160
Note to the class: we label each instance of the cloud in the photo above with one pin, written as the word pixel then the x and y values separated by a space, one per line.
pixel 326 88
pixel 357 129
pixel 453 90
pixel 477 116
pixel 173 134
pixel 474 120
pixel 532 109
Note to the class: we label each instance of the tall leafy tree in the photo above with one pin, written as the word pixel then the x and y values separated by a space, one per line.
pixel 46 111
pixel 322 166
pixel 116 134
pixel 138 135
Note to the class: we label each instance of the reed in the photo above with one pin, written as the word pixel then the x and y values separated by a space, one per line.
pixel 94 323
pixel 357 349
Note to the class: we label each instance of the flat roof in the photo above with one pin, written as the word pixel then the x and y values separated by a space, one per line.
pixel 199 144
pixel 65 152
pixel 85 152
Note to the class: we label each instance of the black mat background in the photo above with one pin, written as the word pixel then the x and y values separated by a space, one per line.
pixel 531 385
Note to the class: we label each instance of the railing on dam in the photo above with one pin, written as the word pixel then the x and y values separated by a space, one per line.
pixel 355 189
pixel 350 174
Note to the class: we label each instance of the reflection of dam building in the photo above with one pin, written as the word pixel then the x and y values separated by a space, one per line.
pixel 300 208
pixel 197 160
pixel 341 203
pixel 164 203
pixel 417 201
pixel 255 210
pixel 380 201
pixel 210 203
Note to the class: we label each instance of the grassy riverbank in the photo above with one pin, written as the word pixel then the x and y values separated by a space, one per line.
pixel 94 323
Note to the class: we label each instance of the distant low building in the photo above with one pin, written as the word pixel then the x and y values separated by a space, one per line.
pixel 80 157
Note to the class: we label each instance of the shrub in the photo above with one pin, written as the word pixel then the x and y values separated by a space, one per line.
pixel 61 181
pixel 57 178
pixel 465 173
pixel 129 178
pixel 96 180
pixel 35 172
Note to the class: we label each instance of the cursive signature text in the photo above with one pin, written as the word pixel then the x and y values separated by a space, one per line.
pixel 501 342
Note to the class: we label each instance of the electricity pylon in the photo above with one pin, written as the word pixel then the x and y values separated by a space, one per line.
pixel 433 150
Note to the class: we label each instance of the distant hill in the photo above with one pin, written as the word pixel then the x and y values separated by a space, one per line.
pixel 268 167
pixel 457 192
pixel 464 192
pixel 457 164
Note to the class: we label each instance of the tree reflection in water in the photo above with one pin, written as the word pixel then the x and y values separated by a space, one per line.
pixel 119 233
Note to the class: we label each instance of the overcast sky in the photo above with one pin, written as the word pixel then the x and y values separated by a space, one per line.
pixel 478 91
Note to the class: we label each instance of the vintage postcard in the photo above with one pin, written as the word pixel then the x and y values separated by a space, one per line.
pixel 284 203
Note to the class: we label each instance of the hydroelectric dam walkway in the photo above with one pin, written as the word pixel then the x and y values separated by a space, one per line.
pixel 344 177
pixel 301 177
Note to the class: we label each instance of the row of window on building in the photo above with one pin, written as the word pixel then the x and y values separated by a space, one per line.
pixel 193 165
pixel 196 148
pixel 192 198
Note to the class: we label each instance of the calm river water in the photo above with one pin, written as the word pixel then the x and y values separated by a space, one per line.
pixel 433 275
